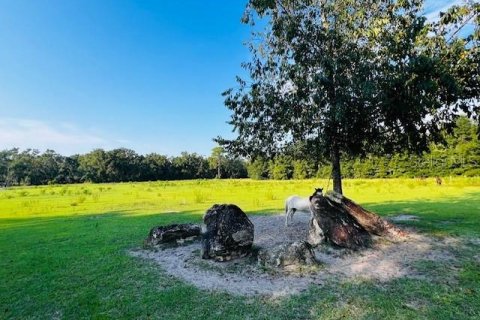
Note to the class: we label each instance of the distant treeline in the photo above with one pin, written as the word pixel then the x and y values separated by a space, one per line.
pixel 31 167
pixel 459 156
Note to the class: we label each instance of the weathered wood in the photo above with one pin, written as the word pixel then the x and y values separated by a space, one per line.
pixel 289 256
pixel 315 233
pixel 342 222
pixel 338 226
pixel 172 233
pixel 370 221
pixel 227 234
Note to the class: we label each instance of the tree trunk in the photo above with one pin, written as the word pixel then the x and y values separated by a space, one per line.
pixel 370 221
pixel 336 170
pixel 336 225
pixel 340 221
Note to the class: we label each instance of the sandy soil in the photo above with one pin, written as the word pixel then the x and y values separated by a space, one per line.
pixel 386 260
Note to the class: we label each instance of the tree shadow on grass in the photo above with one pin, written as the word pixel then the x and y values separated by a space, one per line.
pixel 456 216
pixel 163 217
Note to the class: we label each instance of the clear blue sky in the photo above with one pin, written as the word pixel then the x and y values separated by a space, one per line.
pixel 147 75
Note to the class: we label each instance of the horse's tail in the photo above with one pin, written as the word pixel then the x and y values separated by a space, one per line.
pixel 286 207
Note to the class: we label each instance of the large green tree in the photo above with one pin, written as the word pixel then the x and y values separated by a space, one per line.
pixel 217 161
pixel 349 77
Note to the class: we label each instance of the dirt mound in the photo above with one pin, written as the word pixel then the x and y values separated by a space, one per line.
pixel 384 261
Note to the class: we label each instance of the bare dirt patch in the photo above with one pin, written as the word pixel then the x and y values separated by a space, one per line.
pixel 404 217
pixel 386 260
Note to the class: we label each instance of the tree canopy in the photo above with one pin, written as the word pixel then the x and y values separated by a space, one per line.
pixel 351 77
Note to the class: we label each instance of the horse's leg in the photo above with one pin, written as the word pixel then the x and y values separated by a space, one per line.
pixel 289 215
pixel 286 213
pixel 292 212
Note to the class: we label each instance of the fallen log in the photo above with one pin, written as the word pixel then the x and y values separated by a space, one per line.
pixel 174 233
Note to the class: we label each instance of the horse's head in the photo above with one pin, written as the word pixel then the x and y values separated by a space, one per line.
pixel 318 192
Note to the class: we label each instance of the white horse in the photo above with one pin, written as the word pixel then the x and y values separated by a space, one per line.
pixel 296 203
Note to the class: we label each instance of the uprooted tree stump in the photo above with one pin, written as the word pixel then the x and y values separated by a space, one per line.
pixel 227 233
pixel 341 222
pixel 174 233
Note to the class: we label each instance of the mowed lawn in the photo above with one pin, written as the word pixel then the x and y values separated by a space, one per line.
pixel 63 251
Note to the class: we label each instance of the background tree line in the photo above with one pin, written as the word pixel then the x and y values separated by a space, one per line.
pixel 30 167
pixel 459 155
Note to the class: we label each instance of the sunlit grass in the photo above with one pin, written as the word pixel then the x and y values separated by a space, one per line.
pixel 198 195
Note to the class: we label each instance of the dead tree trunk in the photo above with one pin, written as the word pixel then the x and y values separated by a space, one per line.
pixel 344 223
pixel 370 221
pixel 337 225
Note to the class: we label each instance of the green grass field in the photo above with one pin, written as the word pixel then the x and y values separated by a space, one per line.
pixel 63 252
